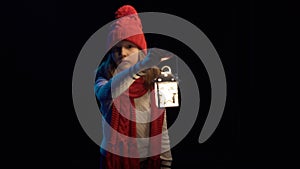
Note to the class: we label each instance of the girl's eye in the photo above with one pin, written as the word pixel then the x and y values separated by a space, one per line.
pixel 129 46
pixel 116 49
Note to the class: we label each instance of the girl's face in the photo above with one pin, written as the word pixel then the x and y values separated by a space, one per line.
pixel 125 55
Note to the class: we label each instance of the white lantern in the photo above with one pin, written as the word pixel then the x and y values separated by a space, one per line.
pixel 166 89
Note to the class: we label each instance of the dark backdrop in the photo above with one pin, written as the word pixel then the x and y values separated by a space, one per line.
pixel 50 36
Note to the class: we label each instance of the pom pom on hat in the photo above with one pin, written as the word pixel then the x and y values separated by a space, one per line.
pixel 124 11
pixel 127 23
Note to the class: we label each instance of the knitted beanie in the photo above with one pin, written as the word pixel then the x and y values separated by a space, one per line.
pixel 128 23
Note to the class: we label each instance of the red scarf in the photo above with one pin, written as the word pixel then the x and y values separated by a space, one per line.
pixel 128 127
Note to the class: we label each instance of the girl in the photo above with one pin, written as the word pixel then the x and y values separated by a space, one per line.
pixel 124 91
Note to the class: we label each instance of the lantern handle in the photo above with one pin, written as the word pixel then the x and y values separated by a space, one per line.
pixel 166 72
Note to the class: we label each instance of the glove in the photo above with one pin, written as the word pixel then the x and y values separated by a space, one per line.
pixel 154 57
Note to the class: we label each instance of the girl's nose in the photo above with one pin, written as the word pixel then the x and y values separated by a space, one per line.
pixel 124 52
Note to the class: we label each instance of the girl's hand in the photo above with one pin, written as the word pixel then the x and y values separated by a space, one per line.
pixel 155 56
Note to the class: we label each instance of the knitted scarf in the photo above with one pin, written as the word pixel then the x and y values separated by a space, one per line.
pixel 127 126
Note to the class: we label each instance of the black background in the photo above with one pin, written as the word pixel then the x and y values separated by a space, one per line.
pixel 50 35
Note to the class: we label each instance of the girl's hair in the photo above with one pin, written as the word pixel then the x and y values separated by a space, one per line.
pixel 107 68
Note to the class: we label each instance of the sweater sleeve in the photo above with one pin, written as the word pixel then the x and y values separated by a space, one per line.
pixel 107 89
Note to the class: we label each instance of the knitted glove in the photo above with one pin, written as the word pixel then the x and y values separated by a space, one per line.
pixel 154 57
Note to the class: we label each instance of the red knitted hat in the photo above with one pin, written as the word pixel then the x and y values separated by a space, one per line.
pixel 127 23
